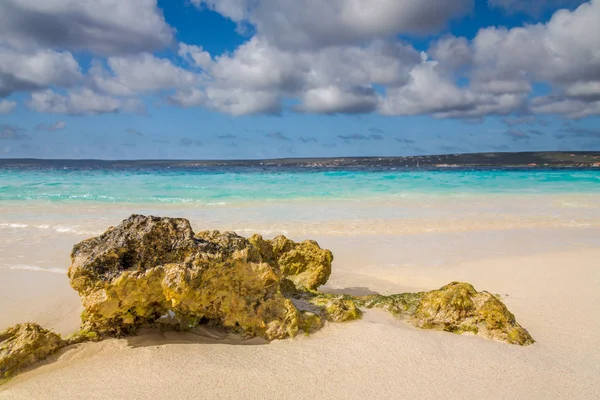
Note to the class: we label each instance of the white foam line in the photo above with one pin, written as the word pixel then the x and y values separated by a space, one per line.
pixel 38 269
pixel 15 225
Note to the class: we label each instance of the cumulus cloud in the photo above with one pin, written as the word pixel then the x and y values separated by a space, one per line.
pixel 81 102
pixel 57 126
pixel 337 22
pixel 452 52
pixel 559 105
pixel 7 106
pixel 559 52
pixel 341 76
pixel 36 70
pixel 501 63
pixel 37 41
pixel 258 75
pixel 332 100
pixel 327 57
pixel 242 101
pixel 195 55
pixel 432 91
pixel 105 27
pixel 140 73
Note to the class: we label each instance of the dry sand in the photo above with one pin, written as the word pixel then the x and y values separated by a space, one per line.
pixel 554 294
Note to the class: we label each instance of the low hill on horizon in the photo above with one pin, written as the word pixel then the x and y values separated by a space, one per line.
pixel 579 159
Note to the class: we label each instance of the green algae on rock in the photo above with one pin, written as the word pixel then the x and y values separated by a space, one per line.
pixel 459 308
pixel 151 270
pixel 25 344
pixel 399 305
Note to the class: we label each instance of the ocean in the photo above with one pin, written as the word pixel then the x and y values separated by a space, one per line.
pixel 44 210
pixel 222 185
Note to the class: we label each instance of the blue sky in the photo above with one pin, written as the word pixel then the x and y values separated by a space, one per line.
pixel 222 79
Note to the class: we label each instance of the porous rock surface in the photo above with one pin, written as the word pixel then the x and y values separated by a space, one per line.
pixel 151 270
pixel 459 308
pixel 25 344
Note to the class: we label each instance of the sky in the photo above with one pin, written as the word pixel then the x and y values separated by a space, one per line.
pixel 247 79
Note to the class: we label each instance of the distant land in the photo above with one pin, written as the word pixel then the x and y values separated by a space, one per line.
pixel 577 159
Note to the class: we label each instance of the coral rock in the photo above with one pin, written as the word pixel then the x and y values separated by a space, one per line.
pixel 338 309
pixel 305 264
pixel 150 271
pixel 25 344
pixel 459 308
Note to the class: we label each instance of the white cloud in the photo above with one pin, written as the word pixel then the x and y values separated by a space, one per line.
pixel 319 23
pixel 36 70
pixel 337 56
pixel 7 106
pixel 428 91
pixel 81 102
pixel 140 73
pixel 431 91
pixel 188 97
pixel 504 62
pixel 329 80
pixel 500 63
pixel 561 52
pixel 196 55
pixel 452 52
pixel 105 27
pixel 231 101
pixel 332 99
pixel 572 108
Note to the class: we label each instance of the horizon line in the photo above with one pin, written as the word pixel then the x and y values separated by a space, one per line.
pixel 302 158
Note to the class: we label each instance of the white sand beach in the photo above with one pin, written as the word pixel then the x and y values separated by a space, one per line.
pixel 549 278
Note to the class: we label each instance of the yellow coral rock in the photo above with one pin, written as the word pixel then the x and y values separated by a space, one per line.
pixel 149 268
pixel 25 344
pixel 459 308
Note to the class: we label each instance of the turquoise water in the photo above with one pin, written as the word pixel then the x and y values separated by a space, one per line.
pixel 232 186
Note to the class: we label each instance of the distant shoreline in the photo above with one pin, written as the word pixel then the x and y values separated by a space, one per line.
pixel 579 159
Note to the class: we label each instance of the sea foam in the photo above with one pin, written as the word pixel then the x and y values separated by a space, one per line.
pixel 35 268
